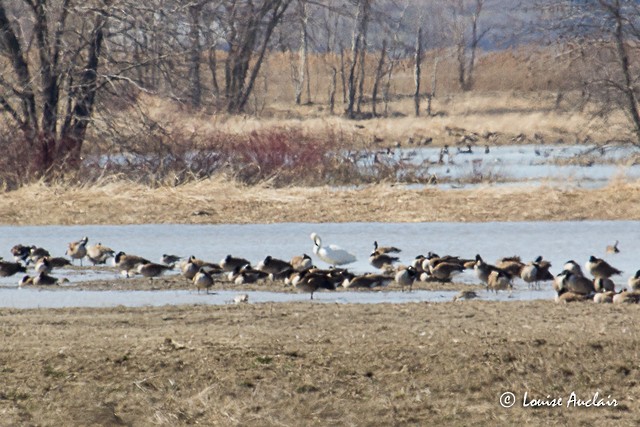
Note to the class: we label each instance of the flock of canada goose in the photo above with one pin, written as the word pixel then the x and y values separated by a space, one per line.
pixel 571 284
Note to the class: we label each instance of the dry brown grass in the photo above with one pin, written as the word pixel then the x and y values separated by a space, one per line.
pixel 223 201
pixel 318 364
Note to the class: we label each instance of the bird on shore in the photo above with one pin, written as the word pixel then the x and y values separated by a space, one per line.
pixel 634 281
pixel 573 267
pixel 301 262
pixel 385 249
pixel 128 263
pixel 151 269
pixel 202 279
pixel 311 282
pixel 168 259
pixel 574 283
pixel 230 263
pixel 536 271
pixel 272 265
pixel 35 253
pixel 78 250
pixel 382 260
pixel 10 268
pixel 332 254
pixel 600 268
pixel 406 277
pixel 99 254
pixel 499 280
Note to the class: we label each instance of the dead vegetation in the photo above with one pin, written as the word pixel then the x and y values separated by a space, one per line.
pixel 214 201
pixel 355 364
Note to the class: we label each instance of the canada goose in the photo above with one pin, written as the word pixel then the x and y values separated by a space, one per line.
pixel 499 280
pixel 167 259
pixel 301 262
pixel 634 281
pixel 127 263
pixel 565 296
pixel 58 262
pixel 10 268
pixel 311 282
pixel 417 264
pixel 573 267
pixel 512 265
pixel 465 295
pixel 600 268
pixel 78 250
pixel 574 283
pixel 26 280
pixel 627 297
pixel 99 254
pixel 484 270
pixel 230 263
pixel 272 265
pixel 385 249
pixel 151 269
pixel 613 249
pixel 43 279
pixel 382 260
pixel 190 268
pixel 536 271
pixel 35 253
pixel 601 284
pixel 444 271
pixel 332 254
pixel 246 275
pixel 21 253
pixel 367 281
pixel 604 297
pixel 202 279
pixel 43 266
pixel 406 277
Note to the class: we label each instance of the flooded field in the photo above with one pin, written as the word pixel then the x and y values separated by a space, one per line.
pixel 556 241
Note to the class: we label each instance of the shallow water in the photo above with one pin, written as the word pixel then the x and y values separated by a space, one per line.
pixel 36 298
pixel 556 241
pixel 523 164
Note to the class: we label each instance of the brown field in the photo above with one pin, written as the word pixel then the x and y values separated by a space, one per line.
pixel 325 364
pixel 220 201
pixel 319 364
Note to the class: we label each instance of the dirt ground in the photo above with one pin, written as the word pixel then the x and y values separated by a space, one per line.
pixel 319 364
pixel 312 363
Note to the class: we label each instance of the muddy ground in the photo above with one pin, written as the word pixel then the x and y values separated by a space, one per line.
pixel 319 364
pixel 310 363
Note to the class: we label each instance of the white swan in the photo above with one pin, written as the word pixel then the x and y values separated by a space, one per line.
pixel 332 254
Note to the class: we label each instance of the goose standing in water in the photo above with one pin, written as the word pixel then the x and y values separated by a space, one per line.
pixel 331 254
pixel 78 250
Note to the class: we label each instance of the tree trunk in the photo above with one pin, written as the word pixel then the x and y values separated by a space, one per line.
pixel 303 65
pixel 623 57
pixel 194 57
pixel 358 44
pixel 72 138
pixel 332 90
pixel 417 72
pixel 379 75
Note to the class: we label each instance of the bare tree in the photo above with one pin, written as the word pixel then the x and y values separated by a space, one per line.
pixel 601 39
pixel 417 71
pixel 64 70
pixel 358 47
pixel 248 28
pixel 467 37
